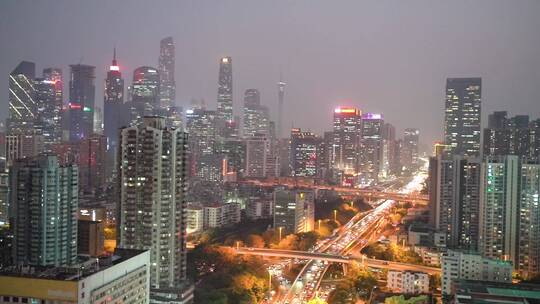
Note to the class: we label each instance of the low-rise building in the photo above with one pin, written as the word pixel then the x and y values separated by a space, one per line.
pixel 121 278
pixel 430 256
pixel 467 292
pixel 194 218
pixel 460 265
pixel 258 208
pixel 408 282
pixel 221 215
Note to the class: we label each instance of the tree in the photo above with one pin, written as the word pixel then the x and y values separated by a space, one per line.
pixel 254 240
pixel 316 300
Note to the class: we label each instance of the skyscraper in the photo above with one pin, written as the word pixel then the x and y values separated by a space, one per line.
pixel 225 90
pixel 145 92
pixel 462 115
pixel 347 131
pixel 47 121
pixel 371 144
pixel 409 158
pixel 81 101
pixel 507 136
pixel 92 164
pixel 256 118
pixel 22 104
pixel 167 86
pixel 281 100
pixel 305 147
pixel 151 211
pixel 455 199
pixel 113 104
pixel 205 160
pixel 45 199
pixel 54 75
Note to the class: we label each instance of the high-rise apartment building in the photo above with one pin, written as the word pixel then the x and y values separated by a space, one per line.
pixel 92 164
pixel 167 87
pixel 81 105
pixel 508 136
pixel 509 212
pixel 257 155
pixel 409 152
pixel 151 211
pixel 44 195
pixel 205 159
pixel 294 210
pixel 462 115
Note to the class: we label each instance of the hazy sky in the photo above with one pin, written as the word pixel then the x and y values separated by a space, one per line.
pixel 381 56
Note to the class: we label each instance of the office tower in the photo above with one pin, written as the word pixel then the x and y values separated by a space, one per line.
pixel 507 136
pixel 45 198
pixel 120 278
pixel 151 210
pixel 205 160
pixel 409 152
pixel 281 99
pixel 167 86
pixel 22 104
pixel 257 154
pixel 324 159
pixel 23 145
pixel 304 152
pixel 234 155
pixel 371 142
pixel 463 265
pixel 256 118
pixel 454 190
pixel 294 210
pixel 144 92
pixel 54 75
pixel 225 90
pixel 92 164
pixel 46 120
pixel 81 101
pixel 462 115
pixel 347 130
pixel 113 104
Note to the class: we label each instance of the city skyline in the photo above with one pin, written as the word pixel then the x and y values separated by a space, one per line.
pixel 352 59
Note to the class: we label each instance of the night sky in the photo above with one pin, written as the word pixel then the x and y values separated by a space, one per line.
pixel 381 56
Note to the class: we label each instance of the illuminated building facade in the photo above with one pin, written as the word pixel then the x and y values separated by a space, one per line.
pixel 144 92
pixel 508 136
pixel 45 201
pixel 294 211
pixel 409 152
pixel 462 115
pixel 347 130
pixel 113 103
pixel 225 90
pixel 167 88
pixel 256 117
pixel 22 104
pixel 81 104
pixel 304 153
pixel 205 159
pixel 371 148
pixel 152 207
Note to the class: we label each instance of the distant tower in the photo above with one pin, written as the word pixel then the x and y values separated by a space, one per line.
pixel 145 91
pixel 81 101
pixel 22 106
pixel 281 97
pixel 225 90
pixel 166 72
pixel 113 101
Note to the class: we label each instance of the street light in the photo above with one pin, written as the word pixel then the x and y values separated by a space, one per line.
pixel 237 244
pixel 335 215
pixel 280 228
pixel 319 224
